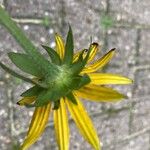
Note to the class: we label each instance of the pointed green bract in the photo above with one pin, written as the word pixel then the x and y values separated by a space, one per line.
pixel 68 57
pixel 79 81
pixel 53 55
pixel 33 91
pixel 19 76
pixel 26 64
pixel 78 66
pixel 53 95
pixel 43 98
pixel 84 80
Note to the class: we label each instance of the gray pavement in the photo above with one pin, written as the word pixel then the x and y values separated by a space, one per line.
pixel 123 24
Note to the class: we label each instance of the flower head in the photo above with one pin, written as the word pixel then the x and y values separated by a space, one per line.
pixel 58 84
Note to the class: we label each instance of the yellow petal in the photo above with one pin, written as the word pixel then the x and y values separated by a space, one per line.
pixel 37 126
pixel 26 100
pixel 99 93
pixel 105 78
pixel 100 63
pixel 94 49
pixel 93 52
pixel 60 48
pixel 61 126
pixel 84 123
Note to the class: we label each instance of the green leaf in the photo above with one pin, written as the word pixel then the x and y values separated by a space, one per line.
pixel 33 91
pixel 15 74
pixel 71 97
pixel 68 57
pixel 21 76
pixel 53 55
pixel 26 63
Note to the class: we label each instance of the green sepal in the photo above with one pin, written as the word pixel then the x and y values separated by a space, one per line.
pixel 53 55
pixel 68 57
pixel 52 95
pixel 26 64
pixel 79 65
pixel 71 97
pixel 85 79
pixel 79 81
pixel 43 98
pixel 33 91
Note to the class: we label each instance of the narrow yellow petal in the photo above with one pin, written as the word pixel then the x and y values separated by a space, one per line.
pixel 93 52
pixel 84 123
pixel 99 93
pixel 100 63
pixel 26 100
pixel 37 126
pixel 60 48
pixel 105 78
pixel 61 126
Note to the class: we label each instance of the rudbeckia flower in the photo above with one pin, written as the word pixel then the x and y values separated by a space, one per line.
pixel 87 84
pixel 58 85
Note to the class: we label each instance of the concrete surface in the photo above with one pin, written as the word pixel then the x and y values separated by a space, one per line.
pixel 123 24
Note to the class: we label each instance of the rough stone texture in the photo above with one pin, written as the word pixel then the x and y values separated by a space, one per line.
pixel 121 126
pixel 134 11
pixel 144 45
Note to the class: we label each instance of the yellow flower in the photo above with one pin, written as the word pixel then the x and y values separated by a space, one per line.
pixel 93 90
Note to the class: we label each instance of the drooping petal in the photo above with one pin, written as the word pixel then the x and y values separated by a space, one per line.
pixel 26 100
pixel 37 126
pixel 99 93
pixel 60 48
pixel 105 78
pixel 61 126
pixel 100 63
pixel 84 123
pixel 94 50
